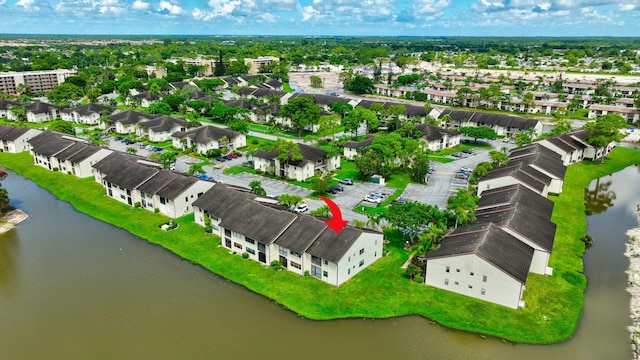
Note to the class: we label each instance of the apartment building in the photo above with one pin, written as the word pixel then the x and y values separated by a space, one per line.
pixel 43 80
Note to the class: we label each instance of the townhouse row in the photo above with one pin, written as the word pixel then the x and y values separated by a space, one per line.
pixel 246 223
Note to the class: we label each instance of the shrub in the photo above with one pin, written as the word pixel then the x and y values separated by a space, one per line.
pixel 245 255
pixel 276 264
pixel 156 210
pixel 137 204
pixel 307 273
pixel 255 141
pixel 418 279
pixel 55 169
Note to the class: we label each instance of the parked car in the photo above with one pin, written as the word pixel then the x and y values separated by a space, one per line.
pixel 467 151
pixel 128 142
pixel 221 158
pixel 332 190
pixel 233 155
pixel 465 169
pixel 378 194
pixel 205 177
pixel 228 157
pixel 248 163
pixel 373 199
pixel 335 189
pixel 399 201
pixel 301 208
pixel 462 175
pixel 346 181
pixel 457 154
pixel 238 154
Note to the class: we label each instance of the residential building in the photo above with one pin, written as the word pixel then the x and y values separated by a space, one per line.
pixel 40 112
pixel 41 80
pixel 255 64
pixel 60 152
pixel 313 159
pixel 435 138
pixel 16 139
pixel 136 181
pixel 299 242
pixel 160 128
pixel 481 261
pixel 87 114
pixel 208 137
pixel 126 122
pixel 352 148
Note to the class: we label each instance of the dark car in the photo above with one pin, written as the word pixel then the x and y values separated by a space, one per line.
pixel 205 177
pixel 467 151
pixel 399 201
pixel 128 142
pixel 228 157
pixel 248 163
pixel 221 158
pixel 335 189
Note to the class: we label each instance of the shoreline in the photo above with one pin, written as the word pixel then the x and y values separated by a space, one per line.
pixel 10 220
pixel 633 285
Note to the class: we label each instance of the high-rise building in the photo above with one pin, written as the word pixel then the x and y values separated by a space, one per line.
pixel 42 80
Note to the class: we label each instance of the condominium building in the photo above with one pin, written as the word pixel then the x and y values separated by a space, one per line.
pixel 255 64
pixel 43 80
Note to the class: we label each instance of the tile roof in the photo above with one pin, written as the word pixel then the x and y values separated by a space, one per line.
pixel 491 244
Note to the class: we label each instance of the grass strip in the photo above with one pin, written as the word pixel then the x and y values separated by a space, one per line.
pixel 554 303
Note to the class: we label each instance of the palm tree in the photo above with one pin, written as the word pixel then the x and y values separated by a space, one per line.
pixel 463 205
pixel 131 150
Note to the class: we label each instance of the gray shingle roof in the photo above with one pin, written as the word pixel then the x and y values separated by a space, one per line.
pixel 359 144
pixel 525 220
pixel 49 143
pixel 91 108
pixel 514 194
pixel 490 243
pixel 540 156
pixel 124 170
pixel 333 246
pixel 12 133
pixel 301 233
pixel 309 153
pixel 206 134
pixel 434 133
pixel 256 221
pixel 163 123
pixel 220 200
pixel 167 184
pixel 131 117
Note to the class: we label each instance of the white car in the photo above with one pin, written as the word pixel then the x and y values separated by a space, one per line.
pixel 465 169
pixel 373 199
pixel 378 194
pixel 301 208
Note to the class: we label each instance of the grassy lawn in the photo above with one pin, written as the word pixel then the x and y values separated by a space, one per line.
pixel 554 303
pixel 238 169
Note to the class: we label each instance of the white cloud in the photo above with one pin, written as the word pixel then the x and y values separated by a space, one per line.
pixel 27 4
pixel 223 7
pixel 544 6
pixel 140 5
pixel 173 9
pixel 2 2
pixel 309 13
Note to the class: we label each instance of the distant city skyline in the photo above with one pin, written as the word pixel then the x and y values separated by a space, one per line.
pixel 509 18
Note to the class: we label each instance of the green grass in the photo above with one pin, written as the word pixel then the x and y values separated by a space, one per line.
pixel 554 303
pixel 286 87
pixel 238 169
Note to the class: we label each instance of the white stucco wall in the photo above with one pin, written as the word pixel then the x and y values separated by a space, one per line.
pixel 499 288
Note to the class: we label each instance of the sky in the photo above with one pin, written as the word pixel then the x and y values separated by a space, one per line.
pixel 323 17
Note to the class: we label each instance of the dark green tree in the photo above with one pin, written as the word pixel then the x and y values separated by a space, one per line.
pixel 302 111
pixel 479 132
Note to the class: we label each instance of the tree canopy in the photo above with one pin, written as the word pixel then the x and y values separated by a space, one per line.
pixel 302 111
pixel 479 132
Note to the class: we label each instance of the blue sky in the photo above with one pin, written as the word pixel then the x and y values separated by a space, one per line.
pixel 324 17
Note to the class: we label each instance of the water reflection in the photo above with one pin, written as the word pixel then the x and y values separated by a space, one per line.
pixel 9 249
pixel 599 198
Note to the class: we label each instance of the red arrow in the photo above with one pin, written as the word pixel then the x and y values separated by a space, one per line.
pixel 336 222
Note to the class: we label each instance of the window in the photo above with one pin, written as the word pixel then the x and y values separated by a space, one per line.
pixel 236 234
pixel 470 286
pixel 471 273
pixel 236 245
pixel 296 265
pixel 262 247
pixel 447 269
pixel 361 263
pixel 293 253
pixel 361 251
pixel 326 262
pixel 283 251
pixel 483 291
pixel 316 271
pixel 484 278
pixel 325 274
pixel 186 199
pixel 456 283
pixel 457 270
pixel 315 260
pixel 250 241
pixel 227 242
pixel 250 251
pixel 227 232
pixel 446 281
